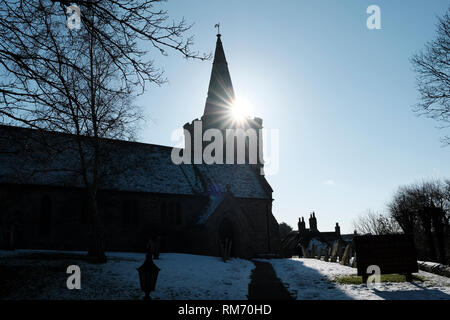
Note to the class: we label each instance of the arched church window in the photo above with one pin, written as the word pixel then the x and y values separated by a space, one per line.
pixel 172 213
pixel 178 214
pixel 135 213
pixel 163 209
pixel 45 218
pixel 84 215
pixel 126 212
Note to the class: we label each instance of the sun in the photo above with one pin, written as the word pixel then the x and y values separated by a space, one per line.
pixel 241 109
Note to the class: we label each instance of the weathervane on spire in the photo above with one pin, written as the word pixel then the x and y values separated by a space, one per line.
pixel 218 28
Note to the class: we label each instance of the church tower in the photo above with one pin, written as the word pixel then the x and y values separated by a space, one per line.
pixel 218 115
pixel 221 96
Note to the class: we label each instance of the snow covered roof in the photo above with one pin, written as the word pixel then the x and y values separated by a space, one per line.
pixel 127 166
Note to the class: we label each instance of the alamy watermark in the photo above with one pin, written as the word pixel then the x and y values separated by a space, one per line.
pixel 374 278
pixel 73 21
pixel 74 280
pixel 374 20
pixel 230 146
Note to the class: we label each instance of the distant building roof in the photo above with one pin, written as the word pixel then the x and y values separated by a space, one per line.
pixel 348 237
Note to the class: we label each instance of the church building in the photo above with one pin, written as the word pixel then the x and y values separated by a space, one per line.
pixel 192 207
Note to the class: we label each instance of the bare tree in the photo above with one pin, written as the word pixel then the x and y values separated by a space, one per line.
pixel 432 67
pixel 83 82
pixel 376 224
pixel 423 209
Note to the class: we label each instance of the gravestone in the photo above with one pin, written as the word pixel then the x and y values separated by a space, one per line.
pixel 327 254
pixel 346 256
pixel 341 252
pixel 391 253
pixel 335 251
pixel 350 254
pixel 354 264
pixel 305 252
pixel 319 254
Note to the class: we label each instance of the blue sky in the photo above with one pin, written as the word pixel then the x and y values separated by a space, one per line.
pixel 339 94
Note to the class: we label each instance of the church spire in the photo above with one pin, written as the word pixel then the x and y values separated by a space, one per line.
pixel 220 91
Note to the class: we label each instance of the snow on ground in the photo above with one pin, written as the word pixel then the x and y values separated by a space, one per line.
pixel 32 274
pixel 309 279
pixel 182 276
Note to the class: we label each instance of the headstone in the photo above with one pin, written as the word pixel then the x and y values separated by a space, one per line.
pixel 350 254
pixel 305 252
pixel 335 251
pixel 346 256
pixel 391 253
pixel 354 261
pixel 327 254
pixel 340 252
pixel 319 256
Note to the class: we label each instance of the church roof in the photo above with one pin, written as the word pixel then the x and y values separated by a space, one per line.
pixel 220 91
pixel 128 166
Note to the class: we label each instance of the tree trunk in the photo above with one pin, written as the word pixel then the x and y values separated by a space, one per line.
pixel 431 246
pixel 97 248
pixel 438 224
pixel 425 217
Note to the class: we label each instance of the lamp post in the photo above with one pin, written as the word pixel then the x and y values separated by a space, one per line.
pixel 148 274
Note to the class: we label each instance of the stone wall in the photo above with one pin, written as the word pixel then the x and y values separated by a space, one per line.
pixel 130 219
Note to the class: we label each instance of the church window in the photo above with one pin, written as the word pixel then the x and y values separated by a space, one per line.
pixel 84 216
pixel 126 213
pixel 178 214
pixel 172 213
pixel 163 210
pixel 45 218
pixel 135 214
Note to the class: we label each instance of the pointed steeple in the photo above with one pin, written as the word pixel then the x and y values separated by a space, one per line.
pixel 220 91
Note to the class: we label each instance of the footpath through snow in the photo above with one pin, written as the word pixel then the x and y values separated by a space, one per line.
pixel 31 274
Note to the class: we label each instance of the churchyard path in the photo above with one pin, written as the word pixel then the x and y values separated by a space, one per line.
pixel 265 285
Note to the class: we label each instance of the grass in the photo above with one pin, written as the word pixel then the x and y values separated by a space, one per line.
pixel 354 279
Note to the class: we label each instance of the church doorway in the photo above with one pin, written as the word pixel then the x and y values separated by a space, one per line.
pixel 227 231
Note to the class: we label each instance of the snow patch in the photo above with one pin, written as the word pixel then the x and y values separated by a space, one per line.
pixel 310 279
pixel 182 276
